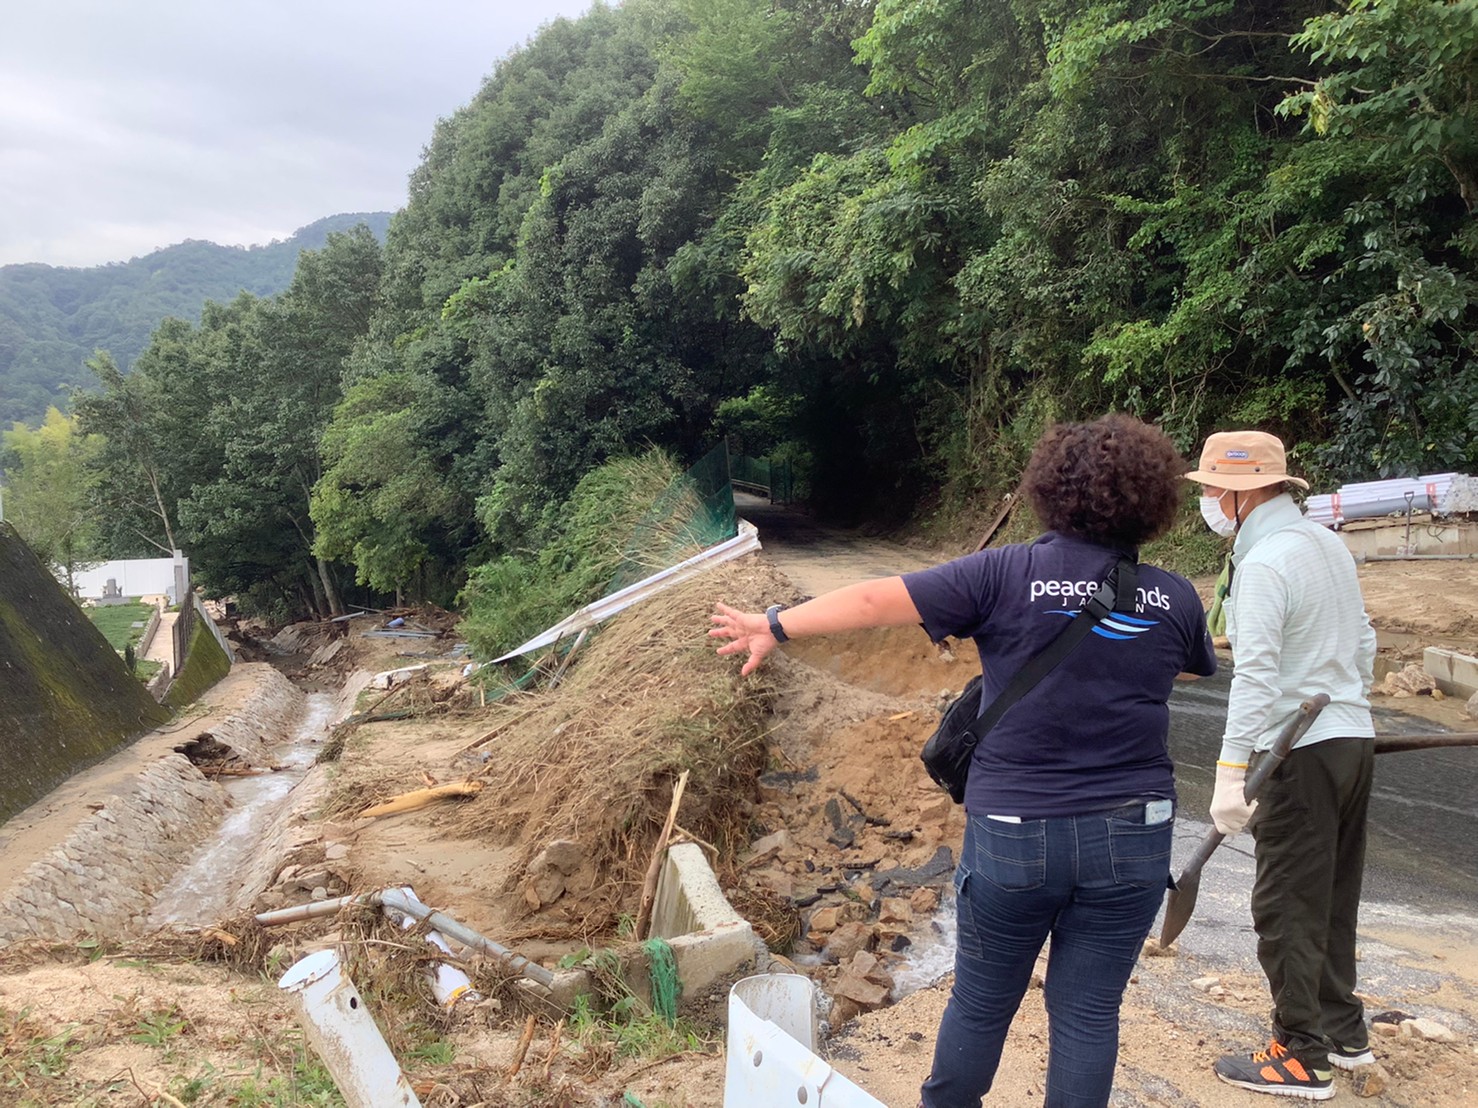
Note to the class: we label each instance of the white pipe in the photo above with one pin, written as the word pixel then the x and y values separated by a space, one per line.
pixel 1416 557
pixel 312 910
pixel 396 898
pixel 448 983
pixel 342 1031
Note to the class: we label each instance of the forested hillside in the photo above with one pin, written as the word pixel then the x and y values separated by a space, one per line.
pixel 884 241
pixel 53 318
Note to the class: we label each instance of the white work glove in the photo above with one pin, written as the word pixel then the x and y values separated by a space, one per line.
pixel 1229 812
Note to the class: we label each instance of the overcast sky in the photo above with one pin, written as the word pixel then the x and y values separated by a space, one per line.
pixel 127 125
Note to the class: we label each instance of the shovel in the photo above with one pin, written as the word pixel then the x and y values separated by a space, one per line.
pixel 1182 900
pixel 1394 744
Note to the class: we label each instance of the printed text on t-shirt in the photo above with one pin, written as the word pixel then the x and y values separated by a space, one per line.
pixel 1083 590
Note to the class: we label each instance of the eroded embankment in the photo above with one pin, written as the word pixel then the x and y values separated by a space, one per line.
pixel 101 849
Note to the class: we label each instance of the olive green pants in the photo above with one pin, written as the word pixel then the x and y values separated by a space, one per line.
pixel 1310 833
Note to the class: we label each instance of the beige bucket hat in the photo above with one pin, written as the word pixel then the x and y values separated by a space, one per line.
pixel 1243 460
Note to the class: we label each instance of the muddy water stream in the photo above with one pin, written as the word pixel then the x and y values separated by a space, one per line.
pixel 204 890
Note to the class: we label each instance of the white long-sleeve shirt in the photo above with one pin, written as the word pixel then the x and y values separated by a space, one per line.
pixel 1297 625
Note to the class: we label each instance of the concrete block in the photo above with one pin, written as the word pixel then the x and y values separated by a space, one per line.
pixel 1456 674
pixel 709 939
pixel 688 895
pixel 704 957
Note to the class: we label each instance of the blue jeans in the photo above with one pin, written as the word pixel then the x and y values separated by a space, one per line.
pixel 1094 883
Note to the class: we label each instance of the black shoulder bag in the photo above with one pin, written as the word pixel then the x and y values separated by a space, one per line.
pixel 949 750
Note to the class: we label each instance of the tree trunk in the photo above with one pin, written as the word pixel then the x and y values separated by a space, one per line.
pixel 319 606
pixel 330 590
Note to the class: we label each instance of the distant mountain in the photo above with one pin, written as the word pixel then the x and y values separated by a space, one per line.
pixel 52 318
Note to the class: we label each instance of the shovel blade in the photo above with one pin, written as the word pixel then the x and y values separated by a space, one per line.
pixel 1178 907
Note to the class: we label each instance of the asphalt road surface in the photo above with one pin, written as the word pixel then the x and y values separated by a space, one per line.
pixel 1421 874
pixel 1423 848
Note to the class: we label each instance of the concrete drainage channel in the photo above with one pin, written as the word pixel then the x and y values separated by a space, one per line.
pixel 139 862
pixel 773 1024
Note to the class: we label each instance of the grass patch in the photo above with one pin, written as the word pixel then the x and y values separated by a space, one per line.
pixel 631 515
pixel 32 1062
pixel 116 622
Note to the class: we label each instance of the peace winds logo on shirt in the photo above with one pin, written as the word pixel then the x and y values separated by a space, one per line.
pixel 1118 625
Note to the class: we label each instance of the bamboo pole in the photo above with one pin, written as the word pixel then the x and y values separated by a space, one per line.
pixel 654 868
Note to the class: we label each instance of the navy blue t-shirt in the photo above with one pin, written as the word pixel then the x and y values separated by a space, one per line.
pixel 1094 732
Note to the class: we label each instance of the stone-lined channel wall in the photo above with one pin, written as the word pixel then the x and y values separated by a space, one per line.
pixel 106 873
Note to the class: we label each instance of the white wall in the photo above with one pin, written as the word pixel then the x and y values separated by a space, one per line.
pixel 135 577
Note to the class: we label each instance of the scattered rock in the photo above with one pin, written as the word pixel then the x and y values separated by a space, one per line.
pixel 847 940
pixel 761 849
pixel 1410 681
pixel 1389 1030
pixel 825 920
pixel 1470 710
pixel 1205 983
pixel 565 855
pixel 924 901
pixel 1429 1030
pixel 1370 1080
pixel 895 910
pixel 864 981
pixel 336 852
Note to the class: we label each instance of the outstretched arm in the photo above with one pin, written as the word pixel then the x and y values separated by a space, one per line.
pixel 883 602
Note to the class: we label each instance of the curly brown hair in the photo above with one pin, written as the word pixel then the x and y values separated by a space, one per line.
pixel 1116 481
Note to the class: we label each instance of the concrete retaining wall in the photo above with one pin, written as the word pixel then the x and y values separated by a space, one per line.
pixel 266 718
pixel 105 875
pixel 106 872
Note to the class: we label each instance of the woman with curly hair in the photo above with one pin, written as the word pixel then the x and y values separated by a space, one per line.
pixel 1071 795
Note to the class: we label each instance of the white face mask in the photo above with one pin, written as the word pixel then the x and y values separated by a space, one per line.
pixel 1217 519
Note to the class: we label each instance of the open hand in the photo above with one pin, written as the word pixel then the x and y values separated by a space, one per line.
pixel 747 631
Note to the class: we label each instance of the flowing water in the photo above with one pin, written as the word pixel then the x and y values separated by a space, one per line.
pixel 204 890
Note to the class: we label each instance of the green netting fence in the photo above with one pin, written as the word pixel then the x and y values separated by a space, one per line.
pixel 695 512
pixel 772 478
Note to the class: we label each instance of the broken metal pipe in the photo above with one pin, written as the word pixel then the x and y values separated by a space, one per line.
pixel 396 899
pixel 448 983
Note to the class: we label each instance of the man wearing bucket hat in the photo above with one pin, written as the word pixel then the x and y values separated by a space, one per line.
pixel 1297 625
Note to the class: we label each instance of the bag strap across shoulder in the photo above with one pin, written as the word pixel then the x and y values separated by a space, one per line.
pixel 1117 594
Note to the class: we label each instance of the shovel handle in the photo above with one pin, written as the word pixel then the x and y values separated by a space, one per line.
pixel 1294 730
pixel 1394 744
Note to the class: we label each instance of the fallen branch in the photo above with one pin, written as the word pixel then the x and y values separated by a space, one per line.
pixel 495 732
pixel 654 868
pixel 420 798
pixel 705 844
pixel 239 771
pixel 523 1048
pixel 554 1045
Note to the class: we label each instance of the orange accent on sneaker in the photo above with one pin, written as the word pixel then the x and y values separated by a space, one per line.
pixel 1274 1052
pixel 1295 1067
pixel 1271 1075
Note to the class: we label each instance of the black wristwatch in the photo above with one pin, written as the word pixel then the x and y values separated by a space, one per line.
pixel 772 613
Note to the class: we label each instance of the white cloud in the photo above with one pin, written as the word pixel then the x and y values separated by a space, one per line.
pixel 126 127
